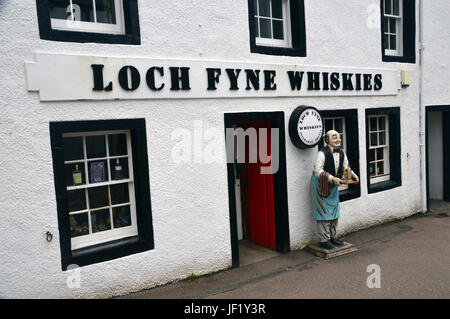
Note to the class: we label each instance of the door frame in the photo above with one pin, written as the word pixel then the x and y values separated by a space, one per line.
pixel 446 152
pixel 282 237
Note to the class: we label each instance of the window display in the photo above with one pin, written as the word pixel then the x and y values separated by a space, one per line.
pixel 99 188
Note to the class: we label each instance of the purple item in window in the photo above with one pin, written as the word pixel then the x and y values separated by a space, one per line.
pixel 97 172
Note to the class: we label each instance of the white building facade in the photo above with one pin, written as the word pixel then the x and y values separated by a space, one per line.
pixel 115 116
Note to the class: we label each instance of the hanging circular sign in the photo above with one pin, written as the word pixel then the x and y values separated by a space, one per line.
pixel 305 127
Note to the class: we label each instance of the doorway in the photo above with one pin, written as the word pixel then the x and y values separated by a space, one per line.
pixel 437 154
pixel 257 215
pixel 257 184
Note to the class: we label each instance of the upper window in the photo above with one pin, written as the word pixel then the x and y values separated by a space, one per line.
pixel 398 30
pixel 392 27
pixel 104 21
pixel 102 189
pixel 383 148
pixel 101 16
pixel 277 27
pixel 272 23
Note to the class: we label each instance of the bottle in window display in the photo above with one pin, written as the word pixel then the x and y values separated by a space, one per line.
pixel 118 170
pixel 77 176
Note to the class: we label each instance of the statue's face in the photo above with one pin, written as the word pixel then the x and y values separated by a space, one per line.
pixel 334 139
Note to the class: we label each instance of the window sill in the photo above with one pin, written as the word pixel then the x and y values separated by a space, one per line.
pixel 352 192
pixel 262 49
pixel 399 58
pixel 85 37
pixel 107 251
pixel 382 186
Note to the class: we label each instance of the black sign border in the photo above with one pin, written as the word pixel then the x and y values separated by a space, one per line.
pixel 293 121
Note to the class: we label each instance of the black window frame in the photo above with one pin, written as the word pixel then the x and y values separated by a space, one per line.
pixel 118 248
pixel 352 138
pixel 298 32
pixel 395 169
pixel 408 35
pixel 131 20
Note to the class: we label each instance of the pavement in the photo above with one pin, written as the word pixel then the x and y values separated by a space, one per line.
pixel 404 259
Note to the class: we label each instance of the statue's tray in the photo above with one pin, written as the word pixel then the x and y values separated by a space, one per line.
pixel 349 182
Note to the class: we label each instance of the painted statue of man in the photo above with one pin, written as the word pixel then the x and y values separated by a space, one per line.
pixel 329 168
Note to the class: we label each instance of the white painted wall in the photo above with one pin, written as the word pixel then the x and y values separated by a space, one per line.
pixel 435 156
pixel 189 202
pixel 436 62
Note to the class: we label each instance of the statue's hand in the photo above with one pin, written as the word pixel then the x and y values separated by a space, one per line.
pixel 355 177
pixel 337 181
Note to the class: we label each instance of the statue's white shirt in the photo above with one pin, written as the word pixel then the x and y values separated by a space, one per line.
pixel 320 163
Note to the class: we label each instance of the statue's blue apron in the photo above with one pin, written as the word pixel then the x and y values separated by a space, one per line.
pixel 324 208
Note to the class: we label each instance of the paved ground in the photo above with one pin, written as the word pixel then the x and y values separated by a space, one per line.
pixel 413 256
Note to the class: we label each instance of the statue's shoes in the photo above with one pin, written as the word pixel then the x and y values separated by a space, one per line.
pixel 326 245
pixel 337 241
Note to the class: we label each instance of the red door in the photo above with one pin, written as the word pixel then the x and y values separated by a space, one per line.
pixel 260 199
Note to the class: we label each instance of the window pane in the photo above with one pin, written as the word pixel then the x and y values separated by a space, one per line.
pixel 387 6
pixel 396 7
pixel 79 225
pixel 264 30
pixel 98 171
pixel 386 24
pixel 373 124
pixel 380 154
pixel 105 11
pixel 328 125
pixel 382 123
pixel 119 194
pixel 371 155
pixel 76 200
pixel 393 42
pixel 119 169
pixel 277 9
pixel 372 169
pixel 117 144
pixel 386 41
pixel 74 174
pixel 373 139
pixel 264 8
pixel 255 5
pixel 338 125
pixel 100 220
pixel 382 138
pixel 278 32
pixel 59 9
pixel 73 148
pixel 380 168
pixel 83 10
pixel 98 197
pixel 392 25
pixel 95 146
pixel 121 216
pixel 257 27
